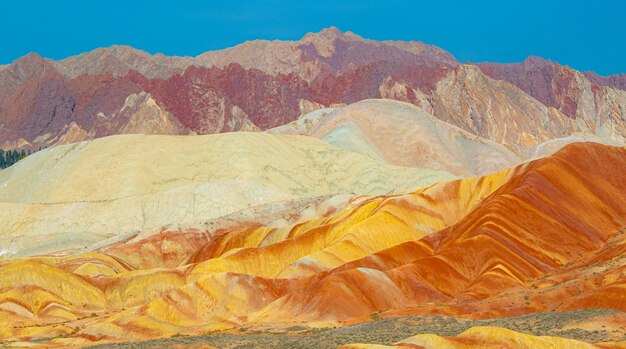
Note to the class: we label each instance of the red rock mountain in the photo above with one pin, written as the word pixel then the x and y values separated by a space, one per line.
pixel 263 84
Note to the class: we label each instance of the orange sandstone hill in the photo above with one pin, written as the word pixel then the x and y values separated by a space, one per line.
pixel 547 235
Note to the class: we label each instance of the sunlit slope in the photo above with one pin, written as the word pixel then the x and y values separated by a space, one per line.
pixel 516 236
pixel 547 235
pixel 402 134
pixel 294 251
pixel 557 211
pixel 326 243
pixel 76 195
pixel 487 337
pixel 121 166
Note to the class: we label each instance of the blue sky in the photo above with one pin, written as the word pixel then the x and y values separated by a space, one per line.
pixel 582 34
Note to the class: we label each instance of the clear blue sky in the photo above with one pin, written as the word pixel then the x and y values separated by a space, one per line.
pixel 586 35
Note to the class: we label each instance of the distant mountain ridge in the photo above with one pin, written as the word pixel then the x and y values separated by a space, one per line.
pixel 261 84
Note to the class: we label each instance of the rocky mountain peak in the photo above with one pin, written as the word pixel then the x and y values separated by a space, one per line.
pixel 538 61
pixel 331 34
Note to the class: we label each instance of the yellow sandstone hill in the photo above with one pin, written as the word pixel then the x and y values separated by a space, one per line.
pixel 486 337
pixel 479 248
pixel 77 195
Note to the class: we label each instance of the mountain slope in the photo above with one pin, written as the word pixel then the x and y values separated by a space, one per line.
pixel 401 134
pixel 266 84
pixel 487 337
pixel 85 192
pixel 594 103
pixel 543 236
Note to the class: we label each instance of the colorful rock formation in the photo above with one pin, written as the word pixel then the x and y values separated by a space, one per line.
pixel 82 194
pixel 296 186
pixel 265 84
pixel 402 134
pixel 487 338
pixel 543 236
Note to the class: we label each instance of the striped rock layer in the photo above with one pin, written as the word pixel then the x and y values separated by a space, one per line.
pixel 260 85
pixel 546 235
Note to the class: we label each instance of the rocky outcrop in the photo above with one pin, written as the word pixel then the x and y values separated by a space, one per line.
pixel 140 114
pixel 496 110
pixel 328 52
pixel 617 81
pixel 596 104
pixel 119 61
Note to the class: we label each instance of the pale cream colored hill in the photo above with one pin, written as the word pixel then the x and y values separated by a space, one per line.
pixel 402 134
pixel 76 195
pixel 552 146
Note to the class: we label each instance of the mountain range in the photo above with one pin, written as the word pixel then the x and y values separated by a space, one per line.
pixel 261 84
pixel 330 192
